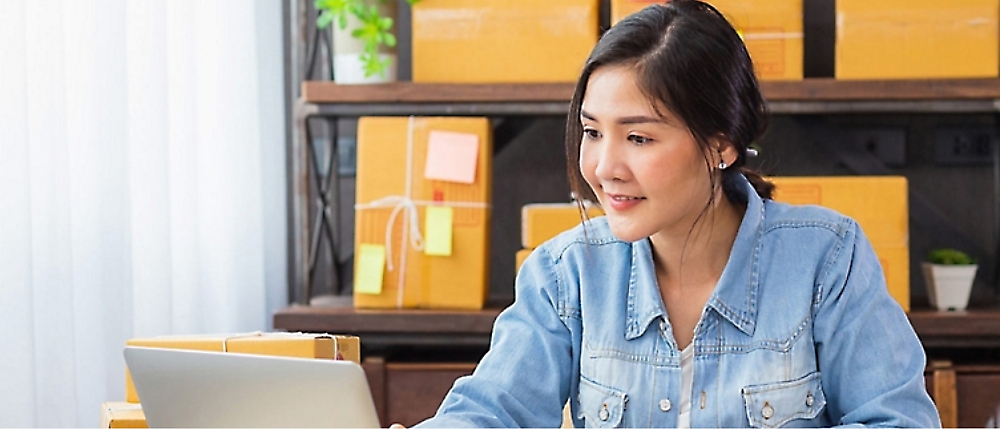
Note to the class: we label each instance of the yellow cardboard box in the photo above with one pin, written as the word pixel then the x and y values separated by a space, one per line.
pixel 520 257
pixel 122 415
pixel 900 39
pixel 541 222
pixel 475 41
pixel 880 206
pixel 459 280
pixel 320 346
pixel 771 29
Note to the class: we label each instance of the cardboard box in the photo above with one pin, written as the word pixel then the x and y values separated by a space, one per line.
pixel 771 29
pixel 901 39
pixel 320 346
pixel 880 206
pixel 542 222
pixel 520 257
pixel 459 280
pixel 122 415
pixel 496 41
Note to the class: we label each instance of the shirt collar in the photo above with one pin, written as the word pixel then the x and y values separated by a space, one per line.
pixel 735 296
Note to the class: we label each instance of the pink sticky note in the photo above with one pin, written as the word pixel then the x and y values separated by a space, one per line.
pixel 452 157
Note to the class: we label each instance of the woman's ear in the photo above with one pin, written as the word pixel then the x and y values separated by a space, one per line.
pixel 724 151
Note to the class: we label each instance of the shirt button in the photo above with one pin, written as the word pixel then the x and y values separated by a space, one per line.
pixel 767 411
pixel 665 405
pixel 604 414
pixel 809 399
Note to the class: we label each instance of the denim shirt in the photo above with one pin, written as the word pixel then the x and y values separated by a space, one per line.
pixel 799 332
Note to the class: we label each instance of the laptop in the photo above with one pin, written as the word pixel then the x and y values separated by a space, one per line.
pixel 185 388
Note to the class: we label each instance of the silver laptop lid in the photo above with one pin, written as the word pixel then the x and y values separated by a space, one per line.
pixel 184 388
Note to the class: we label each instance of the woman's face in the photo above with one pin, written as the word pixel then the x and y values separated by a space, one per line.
pixel 647 171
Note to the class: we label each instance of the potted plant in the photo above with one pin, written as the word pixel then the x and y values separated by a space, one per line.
pixel 363 40
pixel 949 274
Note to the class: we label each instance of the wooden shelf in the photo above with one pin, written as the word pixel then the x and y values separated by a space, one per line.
pixel 822 95
pixel 972 328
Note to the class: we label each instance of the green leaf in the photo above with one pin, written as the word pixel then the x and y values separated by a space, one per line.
pixel 390 40
pixel 323 20
pixel 949 257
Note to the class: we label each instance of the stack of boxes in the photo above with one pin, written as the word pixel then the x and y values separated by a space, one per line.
pixel 128 414
pixel 423 212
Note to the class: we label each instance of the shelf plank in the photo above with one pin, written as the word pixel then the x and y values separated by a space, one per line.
pixel 409 92
pixel 810 90
pixel 828 89
pixel 345 319
pixel 971 328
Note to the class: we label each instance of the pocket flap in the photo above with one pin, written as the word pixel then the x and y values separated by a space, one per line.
pixel 600 406
pixel 774 404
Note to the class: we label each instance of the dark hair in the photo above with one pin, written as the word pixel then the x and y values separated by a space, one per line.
pixel 689 58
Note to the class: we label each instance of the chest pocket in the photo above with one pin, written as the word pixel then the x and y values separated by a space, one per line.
pixel 776 404
pixel 601 406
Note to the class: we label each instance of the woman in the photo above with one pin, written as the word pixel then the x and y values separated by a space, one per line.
pixel 697 301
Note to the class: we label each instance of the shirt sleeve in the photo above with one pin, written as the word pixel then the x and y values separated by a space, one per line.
pixel 523 380
pixel 870 359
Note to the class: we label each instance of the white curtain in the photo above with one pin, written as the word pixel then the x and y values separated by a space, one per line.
pixel 142 188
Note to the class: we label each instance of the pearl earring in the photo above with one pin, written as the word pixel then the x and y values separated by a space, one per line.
pixel 723 165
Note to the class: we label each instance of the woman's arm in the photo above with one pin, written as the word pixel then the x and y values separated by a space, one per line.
pixel 871 361
pixel 523 381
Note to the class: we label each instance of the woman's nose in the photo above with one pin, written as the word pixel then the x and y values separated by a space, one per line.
pixel 610 163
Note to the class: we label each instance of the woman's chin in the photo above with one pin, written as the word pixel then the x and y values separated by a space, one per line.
pixel 626 232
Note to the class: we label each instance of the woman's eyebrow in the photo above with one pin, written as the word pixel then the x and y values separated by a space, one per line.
pixel 640 119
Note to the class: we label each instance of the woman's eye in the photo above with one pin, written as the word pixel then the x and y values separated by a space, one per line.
pixel 639 140
pixel 591 133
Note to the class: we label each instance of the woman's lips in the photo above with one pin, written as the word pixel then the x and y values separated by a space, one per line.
pixel 621 202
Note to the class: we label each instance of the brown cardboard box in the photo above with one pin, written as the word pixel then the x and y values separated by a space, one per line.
pixel 475 41
pixel 320 346
pixel 457 281
pixel 880 206
pixel 122 415
pixel 903 39
pixel 771 29
pixel 541 222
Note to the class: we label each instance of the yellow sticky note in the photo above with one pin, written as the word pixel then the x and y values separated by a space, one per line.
pixel 437 231
pixel 452 157
pixel 371 265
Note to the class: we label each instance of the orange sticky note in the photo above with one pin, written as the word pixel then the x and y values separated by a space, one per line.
pixel 437 231
pixel 452 157
pixel 371 265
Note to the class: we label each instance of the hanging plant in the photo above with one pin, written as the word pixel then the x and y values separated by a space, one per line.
pixel 374 30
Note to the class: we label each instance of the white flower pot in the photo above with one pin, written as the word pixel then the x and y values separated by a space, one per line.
pixel 347 66
pixel 949 286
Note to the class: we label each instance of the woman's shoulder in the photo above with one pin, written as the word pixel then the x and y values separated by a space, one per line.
pixel 783 216
pixel 593 234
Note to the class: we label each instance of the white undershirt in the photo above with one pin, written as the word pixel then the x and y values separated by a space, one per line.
pixel 687 384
